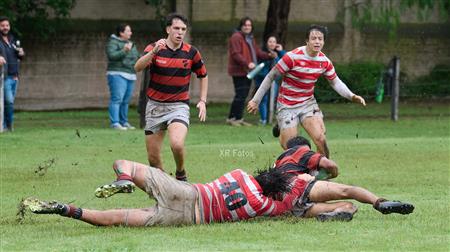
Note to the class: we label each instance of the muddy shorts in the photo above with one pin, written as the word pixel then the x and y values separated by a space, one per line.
pixel 303 203
pixel 289 117
pixel 175 200
pixel 159 115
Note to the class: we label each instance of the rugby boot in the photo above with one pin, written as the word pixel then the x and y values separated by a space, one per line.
pixel 119 186
pixel 276 131
pixel 334 216
pixel 388 207
pixel 43 207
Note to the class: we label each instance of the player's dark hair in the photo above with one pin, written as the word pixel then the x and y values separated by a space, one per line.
pixel 273 181
pixel 4 18
pixel 173 16
pixel 298 140
pixel 121 28
pixel 242 23
pixel 322 29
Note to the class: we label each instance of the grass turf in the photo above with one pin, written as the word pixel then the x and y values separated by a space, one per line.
pixel 405 160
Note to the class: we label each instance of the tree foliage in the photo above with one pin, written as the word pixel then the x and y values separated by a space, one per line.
pixel 35 13
pixel 386 13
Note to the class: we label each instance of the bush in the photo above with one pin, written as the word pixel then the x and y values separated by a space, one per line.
pixel 361 78
pixel 435 84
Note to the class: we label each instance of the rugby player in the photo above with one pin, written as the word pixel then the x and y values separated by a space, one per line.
pixel 300 69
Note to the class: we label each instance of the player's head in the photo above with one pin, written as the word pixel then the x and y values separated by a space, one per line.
pixel 315 37
pixel 297 141
pixel 246 25
pixel 273 181
pixel 176 26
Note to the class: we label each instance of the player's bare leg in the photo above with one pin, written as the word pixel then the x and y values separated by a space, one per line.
pixel 128 217
pixel 117 217
pixel 339 211
pixel 286 134
pixel 324 191
pixel 177 136
pixel 154 144
pixel 315 128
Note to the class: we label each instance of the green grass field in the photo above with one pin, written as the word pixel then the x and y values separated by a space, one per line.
pixel 406 160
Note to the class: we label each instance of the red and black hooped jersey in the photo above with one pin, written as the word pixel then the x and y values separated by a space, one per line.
pixel 170 72
pixel 238 196
pixel 298 160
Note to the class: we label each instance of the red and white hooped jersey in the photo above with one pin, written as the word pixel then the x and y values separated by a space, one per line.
pixel 301 72
pixel 238 196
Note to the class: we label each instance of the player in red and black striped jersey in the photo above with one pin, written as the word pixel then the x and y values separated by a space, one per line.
pixel 298 159
pixel 170 62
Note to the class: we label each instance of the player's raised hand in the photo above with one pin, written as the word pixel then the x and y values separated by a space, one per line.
pixel 358 99
pixel 201 106
pixel 252 107
pixel 158 45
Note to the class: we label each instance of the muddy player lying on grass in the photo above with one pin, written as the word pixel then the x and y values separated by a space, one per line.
pixel 299 159
pixel 232 197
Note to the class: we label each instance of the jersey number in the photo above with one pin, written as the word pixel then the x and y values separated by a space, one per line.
pixel 233 200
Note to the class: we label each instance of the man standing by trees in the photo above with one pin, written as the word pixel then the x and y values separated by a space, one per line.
pixel 13 53
pixel 171 62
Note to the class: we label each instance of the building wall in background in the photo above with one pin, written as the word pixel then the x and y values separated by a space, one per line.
pixel 68 71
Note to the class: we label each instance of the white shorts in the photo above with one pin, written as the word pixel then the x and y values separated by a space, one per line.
pixel 159 115
pixel 289 117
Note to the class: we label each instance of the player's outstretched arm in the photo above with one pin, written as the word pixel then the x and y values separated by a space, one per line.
pixel 345 92
pixel 252 105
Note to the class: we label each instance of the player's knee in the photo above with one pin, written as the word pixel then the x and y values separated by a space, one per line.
pixel 350 207
pixel 345 191
pixel 177 147
pixel 321 140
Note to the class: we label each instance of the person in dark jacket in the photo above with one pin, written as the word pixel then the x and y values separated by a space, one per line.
pixel 12 52
pixel 122 55
pixel 243 54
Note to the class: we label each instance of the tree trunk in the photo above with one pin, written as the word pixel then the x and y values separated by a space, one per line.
pixel 277 20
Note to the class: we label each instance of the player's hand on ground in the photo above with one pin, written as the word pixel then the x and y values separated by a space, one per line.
pixel 201 106
pixel 158 45
pixel 359 99
pixel 306 177
pixel 252 107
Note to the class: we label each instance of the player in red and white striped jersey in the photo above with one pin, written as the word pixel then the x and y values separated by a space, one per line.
pixel 300 69
pixel 232 197
pixel 239 196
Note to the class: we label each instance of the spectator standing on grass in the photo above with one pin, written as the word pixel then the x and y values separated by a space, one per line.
pixel 12 53
pixel 170 62
pixel 272 46
pixel 122 55
pixel 243 55
pixel 300 69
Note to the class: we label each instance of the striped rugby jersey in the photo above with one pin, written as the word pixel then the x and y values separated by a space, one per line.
pixel 298 160
pixel 301 72
pixel 170 72
pixel 238 196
